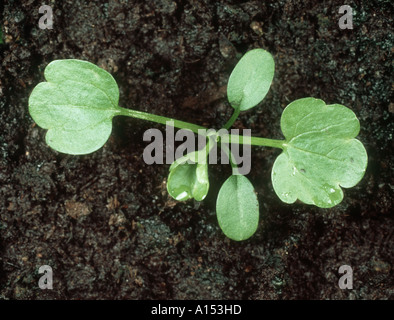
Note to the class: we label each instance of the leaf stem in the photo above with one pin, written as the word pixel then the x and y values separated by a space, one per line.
pixel 231 138
pixel 234 117
pixel 230 156
pixel 254 141
pixel 160 119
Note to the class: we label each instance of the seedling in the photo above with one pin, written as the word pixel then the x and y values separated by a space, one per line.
pixel 320 154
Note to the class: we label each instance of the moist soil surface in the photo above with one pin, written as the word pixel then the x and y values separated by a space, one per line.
pixel 105 223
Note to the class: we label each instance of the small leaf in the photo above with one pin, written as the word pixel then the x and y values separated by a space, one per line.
pixel 237 208
pixel 76 105
pixel 251 79
pixel 188 179
pixel 320 153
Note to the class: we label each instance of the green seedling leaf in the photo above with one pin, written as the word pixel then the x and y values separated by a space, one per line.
pixel 188 178
pixel 237 208
pixel 76 104
pixel 251 79
pixel 320 154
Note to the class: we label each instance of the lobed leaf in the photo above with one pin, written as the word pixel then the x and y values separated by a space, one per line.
pixel 76 104
pixel 251 79
pixel 237 208
pixel 320 154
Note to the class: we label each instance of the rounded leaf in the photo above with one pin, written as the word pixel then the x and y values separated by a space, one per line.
pixel 237 208
pixel 76 105
pixel 251 79
pixel 320 154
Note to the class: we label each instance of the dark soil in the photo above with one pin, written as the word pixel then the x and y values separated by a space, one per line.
pixel 105 223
